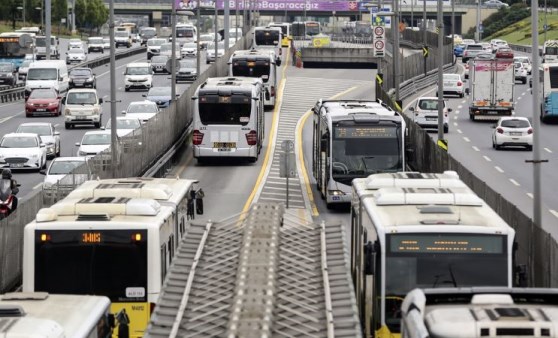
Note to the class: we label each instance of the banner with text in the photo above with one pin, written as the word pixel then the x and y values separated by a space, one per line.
pixel 275 5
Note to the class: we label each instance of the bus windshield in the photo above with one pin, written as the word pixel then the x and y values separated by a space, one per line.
pixel 10 48
pixel 184 32
pixel 312 28
pixel 99 262
pixel 551 50
pixel 40 41
pixel 225 113
pixel 252 69
pixel 361 150
pixel 267 37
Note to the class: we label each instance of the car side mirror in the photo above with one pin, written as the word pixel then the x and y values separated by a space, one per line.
pixel 42 145
pixel 412 109
pixel 56 133
pixel 123 112
pixel 103 128
pixel 77 144
pixel 450 110
pixel 100 100
pixel 42 172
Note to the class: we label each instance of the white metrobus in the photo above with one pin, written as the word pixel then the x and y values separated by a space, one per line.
pixel 229 118
pixel 286 30
pixel 416 230
pixel 109 238
pixel 40 314
pixel 353 139
pixel 269 38
pixel 259 64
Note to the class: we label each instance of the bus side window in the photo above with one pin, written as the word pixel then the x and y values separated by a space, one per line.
pixel 163 262
pixel 171 248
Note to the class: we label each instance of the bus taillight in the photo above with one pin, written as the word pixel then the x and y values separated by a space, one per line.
pixel 197 137
pixel 252 138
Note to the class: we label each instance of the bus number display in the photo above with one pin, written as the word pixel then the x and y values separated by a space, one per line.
pixel 446 243
pixel 91 237
pixel 365 132
pixel 8 39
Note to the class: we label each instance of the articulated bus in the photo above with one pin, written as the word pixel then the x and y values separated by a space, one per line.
pixel 353 139
pixel 97 242
pixel 259 64
pixel 304 30
pixel 269 38
pixel 416 230
pixel 40 314
pixel 548 76
pixel 229 118
pixel 14 46
pixel 286 30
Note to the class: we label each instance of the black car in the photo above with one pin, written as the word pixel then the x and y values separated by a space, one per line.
pixel 8 73
pixel 159 63
pixel 187 71
pixel 82 77
pixel 147 33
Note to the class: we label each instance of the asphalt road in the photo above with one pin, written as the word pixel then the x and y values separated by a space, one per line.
pixel 13 114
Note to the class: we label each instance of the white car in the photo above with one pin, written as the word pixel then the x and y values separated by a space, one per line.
pixel 138 76
pixel 425 113
pixel 75 168
pixel 210 54
pixel 82 106
pixel 525 60
pixel 22 151
pixel 453 85
pixel 189 50
pixel 47 133
pixel 75 43
pixel 93 142
pixel 142 110
pixel 512 131
pixel 125 125
pixel 520 72
pixel 154 47
pixel 75 55
pixel 497 43
pixel 106 43
pixel 23 68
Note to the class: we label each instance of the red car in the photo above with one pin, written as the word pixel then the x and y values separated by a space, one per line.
pixel 43 102
pixel 504 53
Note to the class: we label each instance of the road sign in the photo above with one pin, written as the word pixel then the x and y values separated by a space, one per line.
pixel 425 51
pixel 379 41
pixel 287 165
pixel 481 28
pixel 379 79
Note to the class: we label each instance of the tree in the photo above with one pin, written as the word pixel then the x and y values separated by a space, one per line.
pixel 59 10
pixel 81 11
pixel 96 14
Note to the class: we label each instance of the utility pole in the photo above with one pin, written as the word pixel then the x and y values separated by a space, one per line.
pixel 216 36
pixel 48 28
pixel 173 53
pixel 478 33
pixel 113 139
pixel 424 30
pixel 198 52
pixel 452 26
pixel 226 24
pixel 440 89
pixel 395 29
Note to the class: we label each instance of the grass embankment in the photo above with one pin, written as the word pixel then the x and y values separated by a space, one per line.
pixel 520 32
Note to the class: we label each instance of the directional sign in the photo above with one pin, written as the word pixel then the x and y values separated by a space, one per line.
pixel 379 41
pixel 379 79
pixel 425 51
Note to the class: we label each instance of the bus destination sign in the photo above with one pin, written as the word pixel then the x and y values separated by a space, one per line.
pixel 365 132
pixel 447 243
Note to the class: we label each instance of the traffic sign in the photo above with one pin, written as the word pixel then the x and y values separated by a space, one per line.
pixel 425 51
pixel 379 41
pixel 379 30
pixel 379 45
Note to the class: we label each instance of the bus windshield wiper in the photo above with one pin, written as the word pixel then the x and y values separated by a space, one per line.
pixel 452 281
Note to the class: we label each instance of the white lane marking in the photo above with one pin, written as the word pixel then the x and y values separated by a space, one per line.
pixel 530 195
pixel 466 139
pixel 455 124
pixel 37 186
pixel 514 182
pixel 487 158
pixel 476 148
pixel 459 107
pixel 124 65
pixel 554 212
pixel 548 150
pixel 499 169
pixel 459 131
pixel 455 117
pixel 523 93
pixel 457 112
pixel 4 119
pixel 56 125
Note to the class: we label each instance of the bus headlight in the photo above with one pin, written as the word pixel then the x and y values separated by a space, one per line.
pixel 336 193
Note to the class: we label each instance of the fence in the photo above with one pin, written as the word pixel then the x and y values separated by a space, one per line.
pixel 136 153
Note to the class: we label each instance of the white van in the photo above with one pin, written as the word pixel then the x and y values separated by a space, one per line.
pixel 47 74
pixel 82 106
pixel 40 47
pixel 425 113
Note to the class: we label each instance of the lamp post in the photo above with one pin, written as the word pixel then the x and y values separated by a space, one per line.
pixel 478 33
pixel 113 136
pixel 440 89
pixel 42 16
pixel 198 19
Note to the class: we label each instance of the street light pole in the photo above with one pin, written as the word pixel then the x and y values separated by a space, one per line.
pixel 395 29
pixel 440 90
pixel 173 52
pixel 479 20
pixel 198 56
pixel 113 139
pixel 216 35
pixel 545 23
pixel 48 29
pixel 424 30
pixel 226 23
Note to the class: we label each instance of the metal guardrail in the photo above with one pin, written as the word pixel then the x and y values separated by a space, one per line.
pixel 17 92
pixel 418 83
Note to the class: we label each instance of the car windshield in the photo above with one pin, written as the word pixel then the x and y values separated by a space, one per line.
pixel 515 124
pixel 159 59
pixel 166 47
pixel 95 40
pixel 63 167
pixel 42 74
pixel 125 124
pixel 19 142
pixel 138 70
pixel 76 51
pixel 159 91
pixel 5 67
pixel 39 130
pixel 121 34
pixel 43 94
pixel 80 72
pixel 142 108
pixel 156 42
pixel 25 64
pixel 81 98
pixel 451 77
pixel 211 45
pixel 96 139
pixel 430 104
pixel 190 45
pixel 188 64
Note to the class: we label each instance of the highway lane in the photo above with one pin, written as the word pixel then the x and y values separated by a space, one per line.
pixel 11 116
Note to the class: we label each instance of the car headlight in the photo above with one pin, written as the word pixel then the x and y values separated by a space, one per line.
pixel 53 104
pixel 95 110
pixel 89 80
pixel 82 153
pixel 34 156
pixel 10 75
pixel 67 111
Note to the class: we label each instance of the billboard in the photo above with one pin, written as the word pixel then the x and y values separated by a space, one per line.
pixel 274 5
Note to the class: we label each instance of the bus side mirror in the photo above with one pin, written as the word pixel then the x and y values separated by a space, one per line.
pixel 278 62
pixel 369 259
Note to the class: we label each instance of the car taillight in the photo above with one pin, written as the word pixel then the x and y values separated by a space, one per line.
pixel 272 91
pixel 529 131
pixel 459 83
pixel 252 137
pixel 197 137
pixel 500 130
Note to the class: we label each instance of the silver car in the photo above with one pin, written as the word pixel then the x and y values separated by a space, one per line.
pixel 47 133
pixel 75 55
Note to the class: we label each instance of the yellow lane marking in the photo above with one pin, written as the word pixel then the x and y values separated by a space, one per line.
pixel 271 137
pixel 298 142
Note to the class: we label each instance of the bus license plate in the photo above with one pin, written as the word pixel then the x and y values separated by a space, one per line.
pixel 224 145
